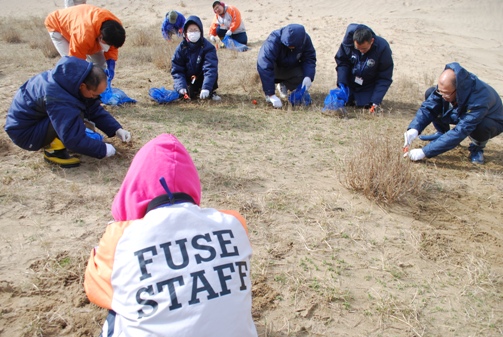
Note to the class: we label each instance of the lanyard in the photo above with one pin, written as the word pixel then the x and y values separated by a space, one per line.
pixel 361 67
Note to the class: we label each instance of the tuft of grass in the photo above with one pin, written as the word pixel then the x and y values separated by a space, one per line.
pixel 378 170
pixel 161 55
pixel 31 31
pixel 46 46
pixel 388 308
pixel 11 35
pixel 142 37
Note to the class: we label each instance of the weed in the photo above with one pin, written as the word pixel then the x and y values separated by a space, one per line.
pixel 11 35
pixel 377 170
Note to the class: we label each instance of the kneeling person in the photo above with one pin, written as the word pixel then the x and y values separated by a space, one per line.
pixel 194 65
pixel 48 111
pixel 365 66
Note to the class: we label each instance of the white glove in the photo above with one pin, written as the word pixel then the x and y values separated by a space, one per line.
pixel 416 154
pixel 182 91
pixel 276 102
pixel 124 135
pixel 307 83
pixel 204 94
pixel 110 150
pixel 228 33
pixel 409 136
pixel 213 38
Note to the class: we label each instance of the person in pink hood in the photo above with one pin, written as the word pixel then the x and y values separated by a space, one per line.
pixel 166 266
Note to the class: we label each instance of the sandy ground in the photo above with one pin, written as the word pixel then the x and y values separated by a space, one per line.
pixel 327 262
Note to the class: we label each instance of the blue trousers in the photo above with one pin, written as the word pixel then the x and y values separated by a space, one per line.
pixel 239 37
pixel 485 130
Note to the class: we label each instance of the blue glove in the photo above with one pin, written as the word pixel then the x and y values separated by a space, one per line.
pixel 110 69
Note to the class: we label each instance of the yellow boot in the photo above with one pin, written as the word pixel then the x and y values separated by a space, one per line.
pixel 56 153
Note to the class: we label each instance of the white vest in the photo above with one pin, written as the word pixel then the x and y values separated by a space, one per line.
pixel 183 271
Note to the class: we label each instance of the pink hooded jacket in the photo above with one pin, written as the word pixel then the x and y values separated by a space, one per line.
pixel 178 269
pixel 164 156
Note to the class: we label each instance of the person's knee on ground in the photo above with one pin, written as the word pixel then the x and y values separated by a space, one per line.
pixel 241 38
pixel 290 78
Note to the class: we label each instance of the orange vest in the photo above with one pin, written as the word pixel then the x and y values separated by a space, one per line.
pixel 81 26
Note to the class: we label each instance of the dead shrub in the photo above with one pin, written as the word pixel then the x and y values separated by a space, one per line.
pixel 49 50
pixel 162 54
pixel 376 168
pixel 45 45
pixel 31 31
pixel 11 35
pixel 144 37
pixel 136 56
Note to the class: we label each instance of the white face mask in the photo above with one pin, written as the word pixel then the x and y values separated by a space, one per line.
pixel 105 47
pixel 193 36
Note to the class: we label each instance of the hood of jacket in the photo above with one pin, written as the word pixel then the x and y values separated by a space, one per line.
pixel 70 72
pixel 162 157
pixel 193 19
pixel 465 81
pixel 293 35
pixel 348 37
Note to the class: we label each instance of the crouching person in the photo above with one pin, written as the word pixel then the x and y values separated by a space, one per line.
pixel 48 111
pixel 194 65
pixel 168 267
pixel 462 99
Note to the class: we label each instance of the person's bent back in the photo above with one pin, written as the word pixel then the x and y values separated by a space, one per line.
pixel 168 267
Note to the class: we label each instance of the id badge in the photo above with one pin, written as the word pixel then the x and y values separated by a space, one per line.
pixel 359 80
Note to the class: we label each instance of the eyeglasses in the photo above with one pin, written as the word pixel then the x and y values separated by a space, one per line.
pixel 444 94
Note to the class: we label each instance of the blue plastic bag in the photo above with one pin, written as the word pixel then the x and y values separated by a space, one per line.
pixel 94 135
pixel 162 95
pixel 337 98
pixel 300 96
pixel 232 44
pixel 114 96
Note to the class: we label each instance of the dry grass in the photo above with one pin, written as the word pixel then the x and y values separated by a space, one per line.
pixel 31 31
pixel 58 275
pixel 143 37
pixel 377 169
pixel 11 35
pixel 327 262
pixel 161 55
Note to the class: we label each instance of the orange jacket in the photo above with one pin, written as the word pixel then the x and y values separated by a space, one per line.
pixel 81 26
pixel 230 20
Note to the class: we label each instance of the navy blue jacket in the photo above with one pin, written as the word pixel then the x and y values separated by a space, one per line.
pixel 475 99
pixel 275 51
pixel 375 67
pixel 54 97
pixel 199 59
